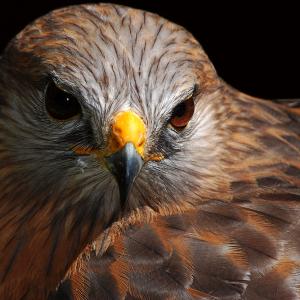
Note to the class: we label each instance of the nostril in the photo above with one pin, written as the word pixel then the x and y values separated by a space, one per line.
pixel 115 143
pixel 117 130
pixel 141 142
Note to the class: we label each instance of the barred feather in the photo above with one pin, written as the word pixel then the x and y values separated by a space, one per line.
pixel 217 218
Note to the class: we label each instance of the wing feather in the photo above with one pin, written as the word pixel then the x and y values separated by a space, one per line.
pixel 246 248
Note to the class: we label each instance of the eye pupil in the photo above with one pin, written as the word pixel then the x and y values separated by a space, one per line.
pixel 182 114
pixel 179 110
pixel 59 104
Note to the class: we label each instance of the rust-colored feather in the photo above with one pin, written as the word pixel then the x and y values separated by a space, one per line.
pixel 219 221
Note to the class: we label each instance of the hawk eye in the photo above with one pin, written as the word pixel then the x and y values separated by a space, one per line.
pixel 59 104
pixel 182 114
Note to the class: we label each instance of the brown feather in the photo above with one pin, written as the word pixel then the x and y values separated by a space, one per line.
pixel 232 233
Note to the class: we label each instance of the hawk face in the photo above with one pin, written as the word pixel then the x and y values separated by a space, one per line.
pixel 97 93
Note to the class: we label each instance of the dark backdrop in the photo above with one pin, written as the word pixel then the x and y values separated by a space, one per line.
pixel 254 48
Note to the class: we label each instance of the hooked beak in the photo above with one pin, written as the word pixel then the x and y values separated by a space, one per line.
pixel 125 153
pixel 125 165
pixel 126 150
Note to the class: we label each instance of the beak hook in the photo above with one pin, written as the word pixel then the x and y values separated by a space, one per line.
pixel 125 165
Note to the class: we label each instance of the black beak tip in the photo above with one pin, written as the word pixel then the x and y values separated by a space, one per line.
pixel 125 165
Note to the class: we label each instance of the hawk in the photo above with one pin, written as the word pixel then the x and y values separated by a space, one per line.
pixel 130 170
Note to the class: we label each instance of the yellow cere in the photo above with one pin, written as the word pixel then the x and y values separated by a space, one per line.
pixel 127 127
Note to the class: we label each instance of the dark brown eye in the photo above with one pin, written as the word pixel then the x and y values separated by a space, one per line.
pixel 182 114
pixel 61 105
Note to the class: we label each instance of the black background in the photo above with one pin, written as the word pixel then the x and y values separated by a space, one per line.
pixel 254 48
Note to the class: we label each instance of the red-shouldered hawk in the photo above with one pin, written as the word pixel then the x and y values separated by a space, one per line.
pixel 130 170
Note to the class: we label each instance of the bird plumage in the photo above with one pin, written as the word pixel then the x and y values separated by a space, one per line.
pixel 245 247
pixel 215 217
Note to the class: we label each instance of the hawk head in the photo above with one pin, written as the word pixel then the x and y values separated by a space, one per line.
pixel 105 109
pixel 111 109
